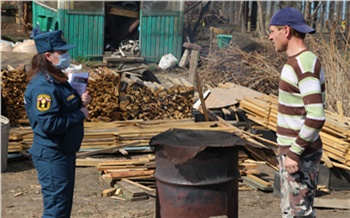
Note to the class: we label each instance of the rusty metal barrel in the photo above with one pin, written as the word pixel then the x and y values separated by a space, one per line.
pixel 196 173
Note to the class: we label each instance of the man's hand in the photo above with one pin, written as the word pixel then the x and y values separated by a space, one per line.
pixel 291 166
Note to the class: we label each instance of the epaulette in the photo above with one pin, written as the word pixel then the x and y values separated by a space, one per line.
pixel 48 77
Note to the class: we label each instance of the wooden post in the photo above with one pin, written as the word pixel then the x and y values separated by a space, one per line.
pixel 193 66
pixel 199 89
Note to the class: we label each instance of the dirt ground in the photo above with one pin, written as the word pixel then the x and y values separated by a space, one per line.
pixel 21 194
pixel 21 197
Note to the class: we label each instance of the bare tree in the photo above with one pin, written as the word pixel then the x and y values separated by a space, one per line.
pixel 261 18
pixel 232 12
pixel 20 12
pixel 194 12
pixel 307 11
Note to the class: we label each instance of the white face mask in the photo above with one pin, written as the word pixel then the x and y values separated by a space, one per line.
pixel 64 61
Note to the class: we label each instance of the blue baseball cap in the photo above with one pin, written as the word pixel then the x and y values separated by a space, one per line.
pixel 51 41
pixel 291 17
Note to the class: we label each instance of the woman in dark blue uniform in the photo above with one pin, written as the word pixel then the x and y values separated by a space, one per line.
pixel 56 113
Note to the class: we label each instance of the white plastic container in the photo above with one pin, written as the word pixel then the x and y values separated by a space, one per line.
pixel 5 131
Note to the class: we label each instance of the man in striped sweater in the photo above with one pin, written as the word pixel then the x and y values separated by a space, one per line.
pixel 300 113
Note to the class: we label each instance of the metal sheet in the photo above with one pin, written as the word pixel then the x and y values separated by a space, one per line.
pixel 160 35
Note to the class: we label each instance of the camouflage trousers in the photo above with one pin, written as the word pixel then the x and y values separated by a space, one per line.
pixel 298 190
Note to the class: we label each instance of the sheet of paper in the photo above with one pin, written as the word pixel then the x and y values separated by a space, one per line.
pixel 79 81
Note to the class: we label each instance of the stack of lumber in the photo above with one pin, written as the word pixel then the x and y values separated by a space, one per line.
pixel 121 134
pixel 13 86
pixel 251 176
pixel 143 166
pixel 137 167
pixel 108 143
pixel 247 167
pixel 127 189
pixel 335 133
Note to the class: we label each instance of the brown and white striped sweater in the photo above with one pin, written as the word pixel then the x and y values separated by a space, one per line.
pixel 301 102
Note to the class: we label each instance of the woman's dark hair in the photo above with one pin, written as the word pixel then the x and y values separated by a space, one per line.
pixel 41 64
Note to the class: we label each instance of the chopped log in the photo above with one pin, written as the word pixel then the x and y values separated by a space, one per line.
pixel 108 192
pixel 152 101
pixel 192 46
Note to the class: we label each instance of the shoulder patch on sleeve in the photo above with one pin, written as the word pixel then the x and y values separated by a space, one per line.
pixel 43 102
pixel 70 97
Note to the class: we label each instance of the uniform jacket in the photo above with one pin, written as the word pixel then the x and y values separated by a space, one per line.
pixel 53 109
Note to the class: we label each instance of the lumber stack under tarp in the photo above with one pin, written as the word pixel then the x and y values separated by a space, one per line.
pixel 335 133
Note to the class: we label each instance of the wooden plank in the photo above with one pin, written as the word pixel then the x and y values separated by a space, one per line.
pixel 332 203
pixel 118 198
pixel 254 183
pixel 326 160
pixel 185 58
pixel 192 46
pixel 112 169
pixel 87 162
pixel 125 59
pixel 136 173
pixel 124 13
pixel 130 189
pixel 138 185
pixel 259 180
pixel 193 66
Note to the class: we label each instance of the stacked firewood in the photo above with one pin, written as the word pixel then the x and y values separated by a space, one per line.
pixel 127 97
pixel 103 87
pixel 115 96
pixel 13 86
pixel 173 99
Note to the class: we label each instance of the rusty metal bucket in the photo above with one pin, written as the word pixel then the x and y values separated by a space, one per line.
pixel 196 173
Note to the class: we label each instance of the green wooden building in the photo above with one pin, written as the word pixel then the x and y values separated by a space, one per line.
pixel 91 25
